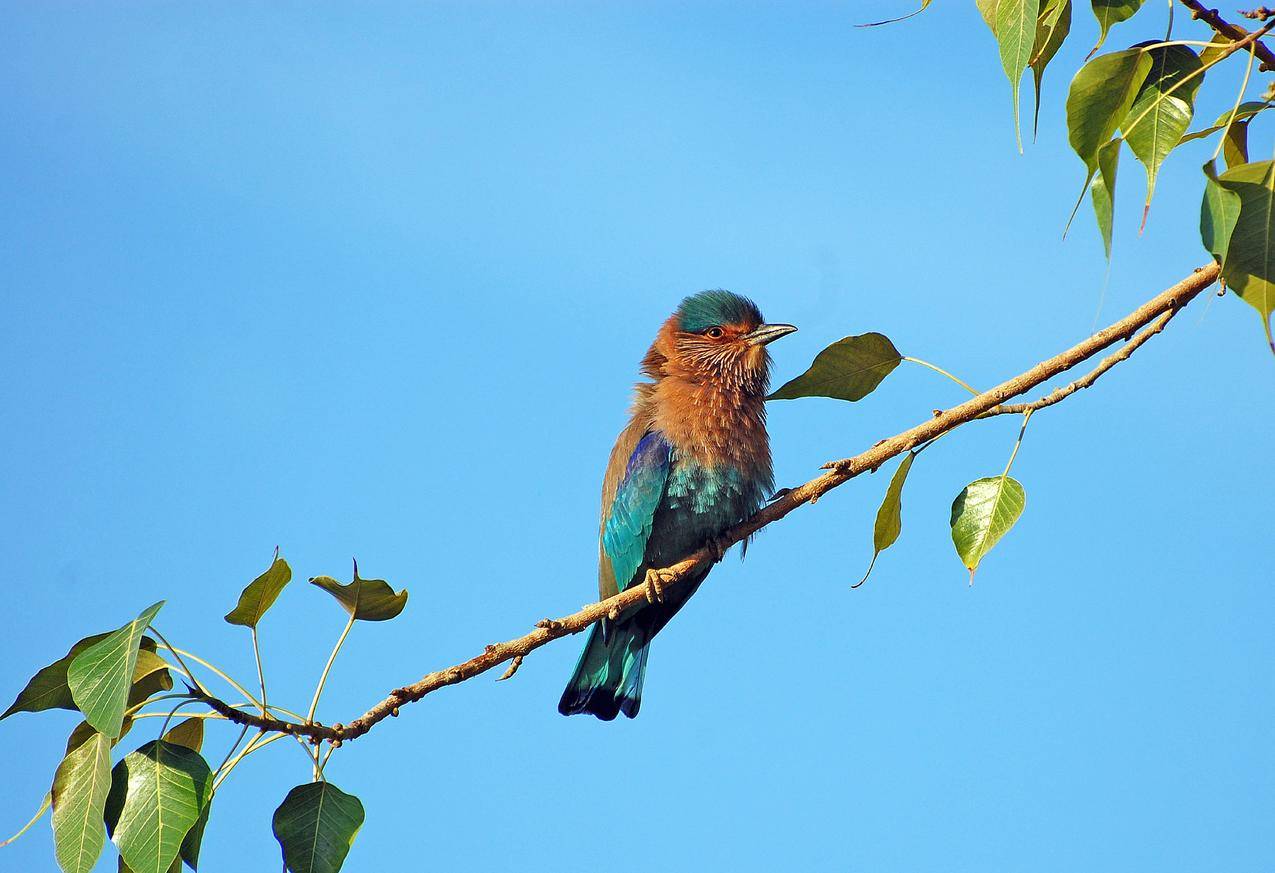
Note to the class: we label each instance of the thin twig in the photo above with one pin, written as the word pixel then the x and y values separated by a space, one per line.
pixel 1229 30
pixel 838 473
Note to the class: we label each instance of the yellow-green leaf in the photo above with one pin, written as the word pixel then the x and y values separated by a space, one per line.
pixel 1051 31
pixel 1249 266
pixel 1163 107
pixel 983 513
pixel 1016 33
pixel 1218 213
pixel 80 786
pixel 1099 100
pixel 157 795
pixel 365 599
pixel 889 521
pixel 1103 190
pixel 260 594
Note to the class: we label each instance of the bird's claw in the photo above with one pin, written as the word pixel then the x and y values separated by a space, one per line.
pixel 655 580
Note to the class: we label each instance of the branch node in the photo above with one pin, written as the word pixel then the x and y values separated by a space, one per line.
pixel 513 668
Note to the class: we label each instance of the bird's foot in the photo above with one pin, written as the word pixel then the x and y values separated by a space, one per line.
pixel 655 580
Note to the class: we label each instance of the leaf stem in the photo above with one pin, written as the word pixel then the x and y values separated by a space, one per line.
pixel 1017 443
pixel 1248 71
pixel 252 698
pixel 261 673
pixel 177 653
pixel 314 704
pixel 39 813
pixel 940 370
pixel 163 730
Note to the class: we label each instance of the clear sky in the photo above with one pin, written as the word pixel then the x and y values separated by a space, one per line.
pixel 373 280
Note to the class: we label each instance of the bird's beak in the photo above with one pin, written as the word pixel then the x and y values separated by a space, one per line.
pixel 768 333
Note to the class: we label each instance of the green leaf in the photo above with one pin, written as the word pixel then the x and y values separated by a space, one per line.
pixel 1099 100
pixel 1051 31
pixel 100 676
pixel 1163 108
pixel 149 677
pixel 189 733
pixel 849 369
pixel 316 825
pixel 1016 33
pixel 1249 266
pixel 39 814
pixel 195 837
pixel 80 786
pixel 983 513
pixel 1111 12
pixel 260 594
pixel 1104 190
pixel 157 795
pixel 84 731
pixel 1245 111
pixel 889 522
pixel 48 689
pixel 1218 213
pixel 365 599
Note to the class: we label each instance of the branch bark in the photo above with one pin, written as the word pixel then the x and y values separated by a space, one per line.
pixel 1155 312
pixel 1230 31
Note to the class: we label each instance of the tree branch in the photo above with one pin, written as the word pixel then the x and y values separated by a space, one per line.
pixel 1230 31
pixel 1155 312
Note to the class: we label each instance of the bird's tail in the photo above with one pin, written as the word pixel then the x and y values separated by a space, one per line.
pixel 608 677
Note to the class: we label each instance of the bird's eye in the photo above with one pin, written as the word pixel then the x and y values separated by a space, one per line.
pixel 714 333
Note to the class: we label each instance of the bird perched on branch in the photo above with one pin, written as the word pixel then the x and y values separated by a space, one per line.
pixel 693 462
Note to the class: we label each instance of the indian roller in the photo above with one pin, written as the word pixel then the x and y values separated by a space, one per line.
pixel 693 461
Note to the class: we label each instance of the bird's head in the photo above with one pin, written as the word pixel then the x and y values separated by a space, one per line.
pixel 715 336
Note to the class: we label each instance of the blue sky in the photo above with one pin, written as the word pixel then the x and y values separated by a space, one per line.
pixel 373 281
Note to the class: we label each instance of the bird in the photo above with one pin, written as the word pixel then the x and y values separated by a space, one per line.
pixel 693 461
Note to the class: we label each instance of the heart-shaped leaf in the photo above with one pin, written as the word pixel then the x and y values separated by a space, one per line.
pixel 100 676
pixel 849 369
pixel 983 513
pixel 1163 107
pixel 365 599
pixel 1099 100
pixel 315 826
pixel 157 795
pixel 1016 34
pixel 260 594
pixel 80 786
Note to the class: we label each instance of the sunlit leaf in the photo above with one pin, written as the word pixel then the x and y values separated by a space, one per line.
pixel 315 826
pixel 1103 190
pixel 365 599
pixel 1235 145
pixel 1051 31
pixel 849 369
pixel 101 676
pixel 983 513
pixel 157 794
pixel 1112 12
pixel 889 522
pixel 1249 265
pixel 1016 33
pixel 1163 107
pixel 80 786
pixel 987 9
pixel 1099 100
pixel 260 594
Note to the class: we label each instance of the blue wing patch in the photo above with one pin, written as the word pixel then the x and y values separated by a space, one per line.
pixel 633 511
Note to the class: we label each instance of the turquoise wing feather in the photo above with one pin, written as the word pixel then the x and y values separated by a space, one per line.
pixel 632 516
